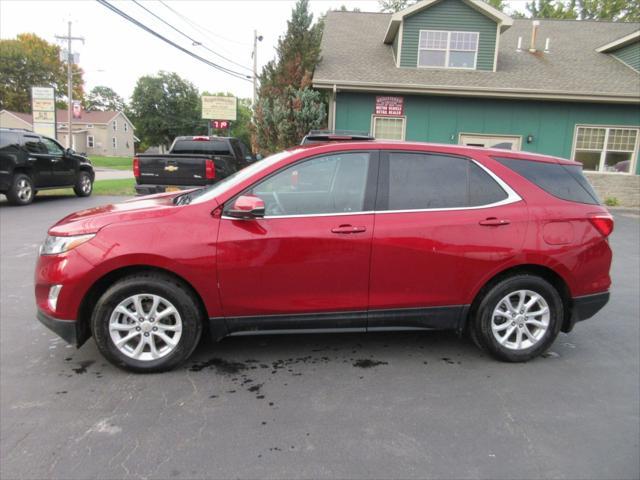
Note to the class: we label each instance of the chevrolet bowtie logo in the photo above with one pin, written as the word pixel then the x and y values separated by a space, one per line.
pixel 171 168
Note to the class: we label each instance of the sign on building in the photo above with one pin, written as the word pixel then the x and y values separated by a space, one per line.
pixel 219 108
pixel 390 106
pixel 43 101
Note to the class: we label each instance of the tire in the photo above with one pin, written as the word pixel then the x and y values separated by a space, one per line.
pixel 21 191
pixel 186 325
pixel 84 185
pixel 536 332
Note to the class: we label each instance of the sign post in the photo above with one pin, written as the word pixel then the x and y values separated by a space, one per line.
pixel 43 107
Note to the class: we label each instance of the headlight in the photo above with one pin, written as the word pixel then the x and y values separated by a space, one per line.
pixel 54 245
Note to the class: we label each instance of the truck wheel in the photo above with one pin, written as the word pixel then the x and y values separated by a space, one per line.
pixel 147 323
pixel 21 191
pixel 518 319
pixel 84 185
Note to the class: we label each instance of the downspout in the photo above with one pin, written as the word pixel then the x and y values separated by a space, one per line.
pixel 333 108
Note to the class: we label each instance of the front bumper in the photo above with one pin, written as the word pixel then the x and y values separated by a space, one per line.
pixel 65 329
pixel 586 307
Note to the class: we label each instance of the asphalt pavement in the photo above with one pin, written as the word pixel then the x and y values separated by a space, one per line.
pixel 426 405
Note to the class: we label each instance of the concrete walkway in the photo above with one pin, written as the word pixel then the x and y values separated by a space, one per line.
pixel 111 174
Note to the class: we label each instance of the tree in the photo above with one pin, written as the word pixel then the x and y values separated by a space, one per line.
pixel 551 9
pixel 165 106
pixel 392 6
pixel 286 107
pixel 616 10
pixel 103 98
pixel 28 61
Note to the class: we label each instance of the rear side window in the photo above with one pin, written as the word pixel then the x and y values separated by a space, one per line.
pixel 205 147
pixel 424 181
pixel 562 181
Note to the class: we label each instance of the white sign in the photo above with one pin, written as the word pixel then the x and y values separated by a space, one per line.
pixel 43 107
pixel 219 108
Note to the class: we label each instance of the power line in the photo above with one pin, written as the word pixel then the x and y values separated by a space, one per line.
pixel 194 42
pixel 200 28
pixel 124 15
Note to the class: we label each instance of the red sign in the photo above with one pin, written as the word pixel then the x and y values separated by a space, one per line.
pixel 390 106
pixel 220 124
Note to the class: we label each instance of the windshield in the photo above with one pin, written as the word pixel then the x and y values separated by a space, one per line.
pixel 206 194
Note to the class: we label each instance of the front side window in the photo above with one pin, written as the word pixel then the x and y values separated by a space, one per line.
pixel 388 128
pixel 606 149
pixel 34 144
pixel 52 147
pixel 418 181
pixel 446 49
pixel 324 185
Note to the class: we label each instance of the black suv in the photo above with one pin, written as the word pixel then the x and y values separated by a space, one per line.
pixel 30 162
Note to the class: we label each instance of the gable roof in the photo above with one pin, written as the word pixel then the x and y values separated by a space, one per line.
pixel 354 58
pixel 620 42
pixel 93 117
pixel 496 15
pixel 25 117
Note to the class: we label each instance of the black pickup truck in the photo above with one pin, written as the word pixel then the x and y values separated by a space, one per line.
pixel 192 161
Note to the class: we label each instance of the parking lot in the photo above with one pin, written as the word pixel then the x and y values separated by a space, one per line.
pixel 427 405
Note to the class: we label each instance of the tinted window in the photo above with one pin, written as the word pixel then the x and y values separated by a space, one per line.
pixel 34 145
pixel 331 184
pixel 52 147
pixel 8 139
pixel 423 181
pixel 562 181
pixel 204 147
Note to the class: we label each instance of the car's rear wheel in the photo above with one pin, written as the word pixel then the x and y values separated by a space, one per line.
pixel 21 191
pixel 84 185
pixel 518 318
pixel 147 323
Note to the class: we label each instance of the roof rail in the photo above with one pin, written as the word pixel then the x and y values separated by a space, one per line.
pixel 17 129
pixel 321 136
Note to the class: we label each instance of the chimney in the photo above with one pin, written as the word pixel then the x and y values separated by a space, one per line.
pixel 519 47
pixel 546 45
pixel 534 33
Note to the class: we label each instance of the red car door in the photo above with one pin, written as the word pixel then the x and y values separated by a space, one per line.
pixel 443 224
pixel 306 263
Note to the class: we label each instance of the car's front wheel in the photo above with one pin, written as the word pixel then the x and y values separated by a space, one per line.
pixel 147 323
pixel 518 318
pixel 84 185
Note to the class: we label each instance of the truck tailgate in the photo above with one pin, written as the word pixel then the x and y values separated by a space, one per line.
pixel 173 169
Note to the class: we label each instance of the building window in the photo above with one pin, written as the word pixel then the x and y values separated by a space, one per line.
pixel 388 128
pixel 448 49
pixel 90 142
pixel 114 142
pixel 115 125
pixel 606 149
pixel 89 125
pixel 126 127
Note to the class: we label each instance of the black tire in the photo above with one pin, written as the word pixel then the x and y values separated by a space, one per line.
pixel 481 328
pixel 84 184
pixel 148 283
pixel 21 191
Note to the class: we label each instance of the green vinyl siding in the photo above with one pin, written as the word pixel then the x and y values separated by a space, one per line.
pixel 629 55
pixel 441 119
pixel 450 15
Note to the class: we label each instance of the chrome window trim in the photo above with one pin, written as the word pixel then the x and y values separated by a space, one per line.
pixel 512 197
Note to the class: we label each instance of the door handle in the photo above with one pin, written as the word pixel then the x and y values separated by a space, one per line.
pixel 494 222
pixel 348 229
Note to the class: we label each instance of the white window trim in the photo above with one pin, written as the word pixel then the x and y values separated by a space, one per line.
pixel 448 50
pixel 374 117
pixel 93 142
pixel 114 142
pixel 603 153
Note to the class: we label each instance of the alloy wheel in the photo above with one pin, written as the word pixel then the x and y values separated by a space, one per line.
pixel 520 320
pixel 24 190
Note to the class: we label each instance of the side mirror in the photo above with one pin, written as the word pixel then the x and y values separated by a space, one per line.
pixel 70 151
pixel 247 207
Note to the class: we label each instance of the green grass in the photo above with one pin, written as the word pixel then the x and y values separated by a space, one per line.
pixel 117 163
pixel 123 186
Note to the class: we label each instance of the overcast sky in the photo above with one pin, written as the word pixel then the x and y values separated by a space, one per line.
pixel 116 53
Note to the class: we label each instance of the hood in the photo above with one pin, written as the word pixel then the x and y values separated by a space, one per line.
pixel 93 219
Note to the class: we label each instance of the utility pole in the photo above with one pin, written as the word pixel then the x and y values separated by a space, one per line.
pixel 256 38
pixel 69 39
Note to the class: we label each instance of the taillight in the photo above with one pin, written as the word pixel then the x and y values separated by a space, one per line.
pixel 209 169
pixel 136 167
pixel 603 223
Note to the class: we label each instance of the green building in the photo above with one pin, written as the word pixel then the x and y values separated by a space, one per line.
pixel 462 72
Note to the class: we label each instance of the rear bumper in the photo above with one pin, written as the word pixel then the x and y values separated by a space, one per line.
pixel 586 307
pixel 65 329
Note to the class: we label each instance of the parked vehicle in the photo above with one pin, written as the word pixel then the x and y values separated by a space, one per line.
pixel 509 247
pixel 191 162
pixel 30 162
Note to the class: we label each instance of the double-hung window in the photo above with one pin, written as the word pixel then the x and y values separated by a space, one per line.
pixel 90 141
pixel 388 128
pixel 446 49
pixel 606 149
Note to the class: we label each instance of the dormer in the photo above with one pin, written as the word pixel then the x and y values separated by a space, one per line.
pixel 447 34
pixel 625 49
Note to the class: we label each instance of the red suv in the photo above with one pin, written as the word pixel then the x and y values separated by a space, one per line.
pixel 358 236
